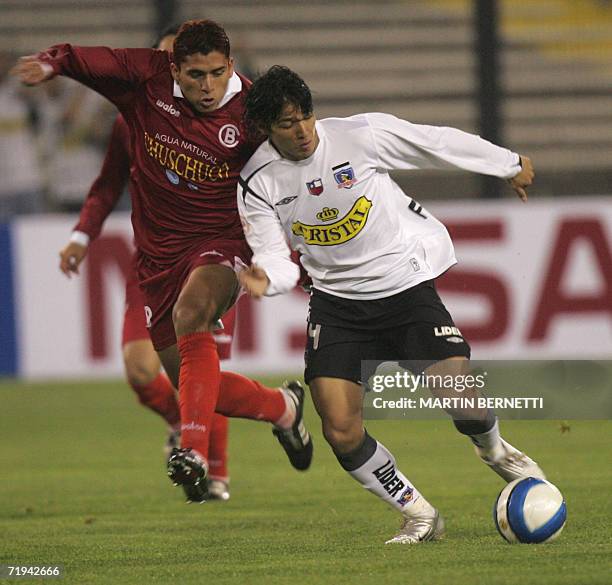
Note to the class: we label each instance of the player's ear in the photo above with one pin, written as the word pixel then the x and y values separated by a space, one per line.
pixel 175 71
pixel 230 66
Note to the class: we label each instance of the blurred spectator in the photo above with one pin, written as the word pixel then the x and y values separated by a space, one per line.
pixel 20 183
pixel 74 126
pixel 243 61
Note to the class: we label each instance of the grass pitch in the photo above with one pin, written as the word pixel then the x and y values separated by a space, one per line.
pixel 83 484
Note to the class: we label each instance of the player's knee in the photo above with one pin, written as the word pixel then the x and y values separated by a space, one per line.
pixel 141 363
pixel 343 435
pixel 138 372
pixel 191 316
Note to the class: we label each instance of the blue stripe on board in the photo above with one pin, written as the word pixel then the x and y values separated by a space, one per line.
pixel 8 331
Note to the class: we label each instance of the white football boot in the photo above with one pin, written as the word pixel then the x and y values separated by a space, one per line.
pixel 218 490
pixel 422 524
pixel 510 463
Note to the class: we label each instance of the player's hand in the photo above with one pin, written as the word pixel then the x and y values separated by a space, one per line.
pixel 31 71
pixel 254 280
pixel 71 257
pixel 525 178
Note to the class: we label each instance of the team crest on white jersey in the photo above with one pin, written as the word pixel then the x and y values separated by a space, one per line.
pixel 229 135
pixel 344 175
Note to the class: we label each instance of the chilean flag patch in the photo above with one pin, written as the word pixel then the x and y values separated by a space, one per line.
pixel 315 187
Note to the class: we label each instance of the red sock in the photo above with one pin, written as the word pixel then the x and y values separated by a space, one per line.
pixel 199 379
pixel 160 397
pixel 217 451
pixel 244 398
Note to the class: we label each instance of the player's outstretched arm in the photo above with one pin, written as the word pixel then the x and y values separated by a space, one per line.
pixel 101 199
pixel 524 178
pixel 273 272
pixel 116 74
pixel 401 145
pixel 71 257
pixel 108 187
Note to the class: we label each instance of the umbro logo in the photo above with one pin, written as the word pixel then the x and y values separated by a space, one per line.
pixel 287 200
pixel 167 108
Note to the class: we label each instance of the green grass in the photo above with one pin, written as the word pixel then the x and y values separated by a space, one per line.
pixel 83 484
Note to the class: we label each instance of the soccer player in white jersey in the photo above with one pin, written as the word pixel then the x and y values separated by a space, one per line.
pixel 323 188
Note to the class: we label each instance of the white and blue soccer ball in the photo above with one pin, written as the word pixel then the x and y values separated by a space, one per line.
pixel 530 510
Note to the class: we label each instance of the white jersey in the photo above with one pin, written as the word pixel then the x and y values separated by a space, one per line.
pixel 359 235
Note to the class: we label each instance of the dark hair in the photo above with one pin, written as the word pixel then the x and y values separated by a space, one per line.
pixel 200 36
pixel 270 93
pixel 166 32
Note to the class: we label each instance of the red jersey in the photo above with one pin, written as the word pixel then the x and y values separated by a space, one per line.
pixel 185 165
pixel 108 187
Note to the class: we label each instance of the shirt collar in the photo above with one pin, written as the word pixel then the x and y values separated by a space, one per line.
pixel 177 91
pixel 234 86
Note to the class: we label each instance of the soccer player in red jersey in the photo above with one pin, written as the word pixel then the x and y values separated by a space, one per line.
pixel 142 365
pixel 184 114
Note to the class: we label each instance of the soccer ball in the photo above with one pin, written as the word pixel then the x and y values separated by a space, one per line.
pixel 530 510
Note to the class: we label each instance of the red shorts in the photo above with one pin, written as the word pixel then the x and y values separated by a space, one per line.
pixel 135 322
pixel 161 288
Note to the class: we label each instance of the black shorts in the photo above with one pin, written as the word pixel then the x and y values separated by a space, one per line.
pixel 411 326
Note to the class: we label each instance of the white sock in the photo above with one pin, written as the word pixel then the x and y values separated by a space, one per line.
pixel 488 443
pixel 288 418
pixel 380 476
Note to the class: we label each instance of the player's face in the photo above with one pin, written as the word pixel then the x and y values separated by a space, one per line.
pixel 294 134
pixel 203 79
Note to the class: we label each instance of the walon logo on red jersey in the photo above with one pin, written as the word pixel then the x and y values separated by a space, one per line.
pixel 167 108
